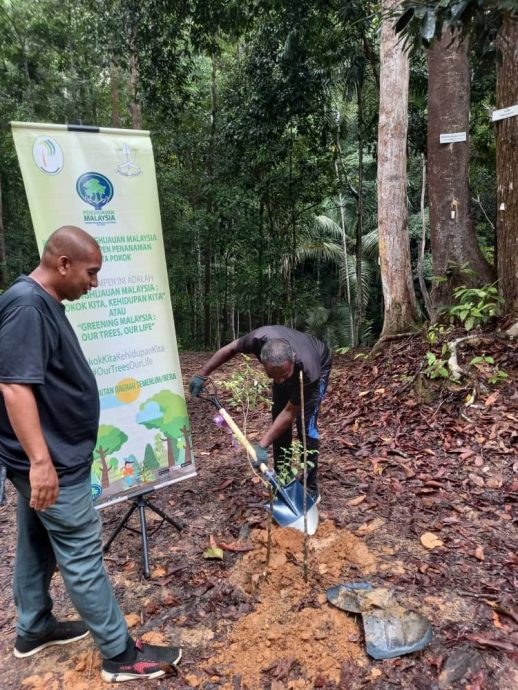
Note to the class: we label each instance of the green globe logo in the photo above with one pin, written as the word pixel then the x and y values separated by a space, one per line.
pixel 95 189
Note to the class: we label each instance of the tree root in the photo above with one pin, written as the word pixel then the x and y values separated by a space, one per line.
pixel 457 372
pixel 477 339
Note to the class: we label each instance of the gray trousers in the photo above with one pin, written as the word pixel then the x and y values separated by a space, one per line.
pixel 69 534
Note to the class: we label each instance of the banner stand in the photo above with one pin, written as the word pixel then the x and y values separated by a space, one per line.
pixel 104 181
pixel 141 502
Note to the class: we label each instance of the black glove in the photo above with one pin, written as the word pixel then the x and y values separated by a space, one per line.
pixel 196 385
pixel 261 455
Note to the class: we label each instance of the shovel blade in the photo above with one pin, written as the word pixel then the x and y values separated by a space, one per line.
pixel 288 508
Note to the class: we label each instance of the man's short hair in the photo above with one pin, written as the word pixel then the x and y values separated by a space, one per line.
pixel 277 352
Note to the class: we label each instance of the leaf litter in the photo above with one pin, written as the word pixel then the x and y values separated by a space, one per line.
pixel 395 465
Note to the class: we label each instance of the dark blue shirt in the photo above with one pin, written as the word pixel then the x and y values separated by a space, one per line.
pixel 38 347
pixel 311 356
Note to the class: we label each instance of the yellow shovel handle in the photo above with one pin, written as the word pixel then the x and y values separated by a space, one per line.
pixel 240 437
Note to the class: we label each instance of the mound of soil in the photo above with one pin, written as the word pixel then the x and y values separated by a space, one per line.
pixel 292 630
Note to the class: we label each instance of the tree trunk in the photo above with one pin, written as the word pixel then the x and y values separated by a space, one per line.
pixel 359 220
pixel 400 307
pixel 187 438
pixel 170 454
pixel 507 166
pixel 136 110
pixel 207 252
pixel 454 242
pixel 105 477
pixel 115 94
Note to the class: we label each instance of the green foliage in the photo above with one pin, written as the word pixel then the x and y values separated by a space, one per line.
pixel 258 113
pixel 454 269
pixel 292 463
pixel 437 367
pixel 110 439
pixel 150 459
pixel 474 306
pixel 335 326
pixel 422 22
pixel 167 412
pixel 482 359
pixel 435 332
pixel 487 366
pixel 248 388
pixel 497 376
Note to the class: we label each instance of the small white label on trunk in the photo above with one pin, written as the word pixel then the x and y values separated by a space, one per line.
pixel 504 113
pixel 452 137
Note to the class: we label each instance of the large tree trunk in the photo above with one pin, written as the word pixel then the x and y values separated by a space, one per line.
pixel 207 252
pixel 454 242
pixel 115 93
pixel 400 310
pixel 360 307
pixel 507 166
pixel 135 108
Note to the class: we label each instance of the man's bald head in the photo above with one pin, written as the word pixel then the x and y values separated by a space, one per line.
pixel 69 264
pixel 70 241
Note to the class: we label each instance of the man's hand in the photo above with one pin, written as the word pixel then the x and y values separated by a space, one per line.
pixel 44 485
pixel 23 414
pixel 261 455
pixel 196 385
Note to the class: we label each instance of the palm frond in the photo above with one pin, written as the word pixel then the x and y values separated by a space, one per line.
pixel 370 245
pixel 319 251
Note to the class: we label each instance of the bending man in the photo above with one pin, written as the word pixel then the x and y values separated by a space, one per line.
pixel 49 416
pixel 283 353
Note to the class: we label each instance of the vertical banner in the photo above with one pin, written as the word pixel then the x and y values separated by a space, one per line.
pixel 103 180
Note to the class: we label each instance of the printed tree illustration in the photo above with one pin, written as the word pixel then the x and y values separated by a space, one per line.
pixel 158 448
pixel 109 440
pixel 167 412
pixel 187 444
pixel 150 461
pixel 95 191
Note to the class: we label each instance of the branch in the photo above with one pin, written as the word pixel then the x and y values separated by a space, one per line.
pixel 477 201
pixel 456 370
pixel 420 263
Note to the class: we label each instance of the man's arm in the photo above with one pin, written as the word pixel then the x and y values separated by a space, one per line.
pixel 25 420
pixel 282 422
pixel 218 358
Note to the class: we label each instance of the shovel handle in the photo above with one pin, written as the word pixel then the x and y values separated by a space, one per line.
pixel 239 435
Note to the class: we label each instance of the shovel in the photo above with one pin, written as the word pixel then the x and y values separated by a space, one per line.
pixel 290 500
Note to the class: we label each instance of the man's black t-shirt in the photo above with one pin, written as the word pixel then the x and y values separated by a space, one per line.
pixel 38 347
pixel 311 355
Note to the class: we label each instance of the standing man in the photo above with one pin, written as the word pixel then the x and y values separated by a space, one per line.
pixel 49 416
pixel 284 353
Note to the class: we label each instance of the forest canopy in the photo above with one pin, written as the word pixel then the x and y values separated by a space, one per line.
pixel 265 118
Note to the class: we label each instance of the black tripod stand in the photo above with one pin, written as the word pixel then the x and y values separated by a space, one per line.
pixel 141 502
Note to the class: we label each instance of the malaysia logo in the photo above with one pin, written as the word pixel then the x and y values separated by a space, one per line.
pixel 96 490
pixel 95 189
pixel 48 155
